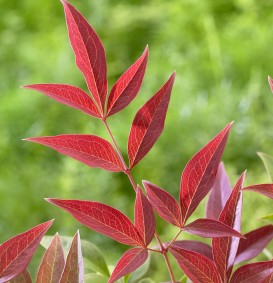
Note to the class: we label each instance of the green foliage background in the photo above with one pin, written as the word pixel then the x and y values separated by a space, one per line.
pixel 222 52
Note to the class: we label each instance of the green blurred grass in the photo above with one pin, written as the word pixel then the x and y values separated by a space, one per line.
pixel 222 53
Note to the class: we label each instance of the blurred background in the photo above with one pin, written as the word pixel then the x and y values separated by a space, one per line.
pixel 222 52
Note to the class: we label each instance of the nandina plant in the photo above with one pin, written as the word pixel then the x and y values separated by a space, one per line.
pixel 203 173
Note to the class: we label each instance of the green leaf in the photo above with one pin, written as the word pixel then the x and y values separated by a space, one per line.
pixel 140 272
pixel 146 280
pixel 267 217
pixel 268 163
pixel 94 277
pixel 93 257
pixel 183 279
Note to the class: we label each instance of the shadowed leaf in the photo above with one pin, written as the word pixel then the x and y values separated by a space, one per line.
pixel 23 277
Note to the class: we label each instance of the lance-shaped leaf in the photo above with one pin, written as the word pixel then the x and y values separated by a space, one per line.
pixel 163 203
pixel 74 271
pixel 225 249
pixel 148 123
pixel 90 150
pixel 270 81
pixel 127 86
pixel 16 253
pixel 219 193
pixel 103 219
pixel 195 246
pixel 53 262
pixel 68 95
pixel 200 172
pixel 196 266
pixel 144 217
pixel 254 243
pixel 264 189
pixel 23 277
pixel 129 262
pixel 268 163
pixel 210 228
pixel 89 52
pixel 253 272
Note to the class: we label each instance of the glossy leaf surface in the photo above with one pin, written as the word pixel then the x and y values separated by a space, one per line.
pixel 200 172
pixel 23 277
pixel 163 203
pixel 253 272
pixel 68 95
pixel 144 217
pixel 195 246
pixel 219 194
pixel 89 52
pixel 103 219
pixel 127 86
pixel 210 228
pixel 196 266
pixel 129 262
pixel 74 270
pixel 16 253
pixel 90 150
pixel 148 123
pixel 254 243
pixel 225 249
pixel 52 264
pixel 264 189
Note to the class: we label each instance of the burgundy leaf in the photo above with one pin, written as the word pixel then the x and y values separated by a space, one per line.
pixel 103 219
pixel 16 253
pixel 23 277
pixel 219 193
pixel 148 123
pixel 254 243
pixel 89 52
pixel 144 217
pixel 270 81
pixel 68 95
pixel 210 228
pixel 200 172
pixel 224 249
pixel 164 204
pixel 129 262
pixel 127 86
pixel 53 262
pixel 196 266
pixel 195 246
pixel 268 279
pixel 73 271
pixel 253 272
pixel 264 189
pixel 90 150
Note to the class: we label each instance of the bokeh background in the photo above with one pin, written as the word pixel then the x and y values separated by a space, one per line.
pixel 222 52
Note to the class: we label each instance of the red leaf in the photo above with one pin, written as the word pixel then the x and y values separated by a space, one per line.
pixel 195 246
pixel 210 228
pixel 268 279
pixel 16 253
pixel 253 272
pixel 270 81
pixel 164 204
pixel 219 194
pixel 144 217
pixel 264 189
pixel 196 266
pixel 68 95
pixel 129 262
pixel 73 271
pixel 89 52
pixel 52 264
pixel 148 123
pixel 254 243
pixel 90 150
pixel 103 219
pixel 127 86
pixel 224 249
pixel 200 172
pixel 23 277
